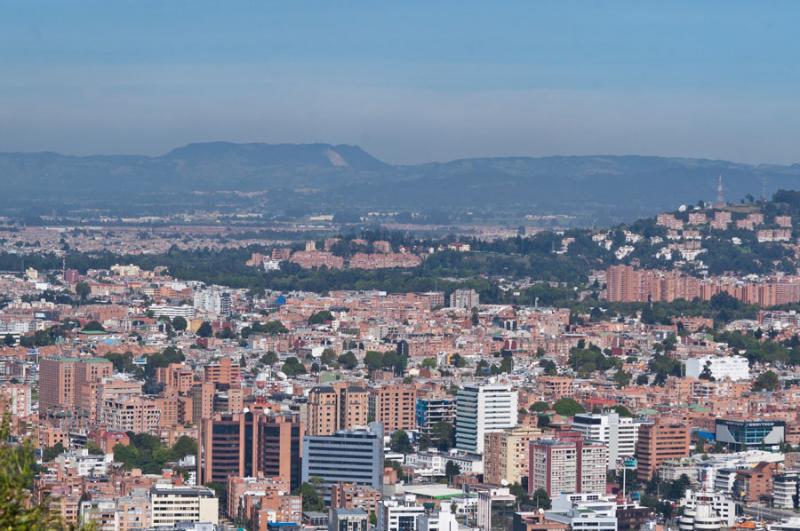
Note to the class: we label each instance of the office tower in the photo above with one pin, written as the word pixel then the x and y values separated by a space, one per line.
pixel 567 465
pixel 618 433
pixel 171 505
pixel 506 454
pixel 347 456
pixel 394 406
pixel 664 439
pixel 335 407
pixel 280 448
pixel 481 409
pixel 248 444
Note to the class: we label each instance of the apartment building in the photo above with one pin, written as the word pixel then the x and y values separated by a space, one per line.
pixel 394 406
pixel 569 464
pixel 64 382
pixel 506 456
pixel 662 440
pixel 482 409
pixel 335 407
pixel 619 434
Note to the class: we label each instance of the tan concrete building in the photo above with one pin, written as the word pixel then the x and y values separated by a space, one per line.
pixel 662 440
pixel 336 407
pixel 506 454
pixel 394 405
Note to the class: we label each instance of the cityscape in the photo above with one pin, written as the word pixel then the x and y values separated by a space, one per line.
pixel 274 333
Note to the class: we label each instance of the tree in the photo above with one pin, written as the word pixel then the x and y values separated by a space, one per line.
pixel 312 501
pixel 179 323
pixel 17 471
pixel 429 363
pixel 475 319
pixel 320 317
pixel 399 442
pixel 540 499
pixel 706 373
pixel 506 364
pixel 451 469
pixel 329 358
pixel 293 367
pixel 93 326
pixel 373 360
pixel 766 381
pixel 270 358
pixel 542 421
pixel 83 290
pixel 444 435
pixel 622 378
pixel 205 330
pixel 9 340
pixel 539 407
pixel 567 407
pixel 622 411
pixel 348 360
pixel 52 452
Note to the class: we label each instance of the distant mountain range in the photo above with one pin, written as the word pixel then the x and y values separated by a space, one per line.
pixel 297 179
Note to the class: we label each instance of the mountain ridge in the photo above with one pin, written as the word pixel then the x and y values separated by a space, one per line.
pixel 322 177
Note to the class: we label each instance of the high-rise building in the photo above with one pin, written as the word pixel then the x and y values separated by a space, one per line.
pixel 248 444
pixel 430 411
pixel 482 409
pixel 339 406
pixel 223 373
pixel 171 505
pixel 567 465
pixel 347 456
pixel 506 454
pixel 618 433
pixel 65 383
pixel 394 406
pixel 464 298
pixel 662 440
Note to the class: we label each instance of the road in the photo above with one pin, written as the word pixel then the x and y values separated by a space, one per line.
pixel 767 513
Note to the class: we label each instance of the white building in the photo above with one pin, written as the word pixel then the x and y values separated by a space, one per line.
pixel 85 464
pixel 585 511
pixel 171 505
pixel 481 409
pixel 618 433
pixel 704 508
pixel 442 520
pixel 784 489
pixel 399 514
pixel 734 368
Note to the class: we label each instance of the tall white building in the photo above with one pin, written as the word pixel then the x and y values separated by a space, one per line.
pixel 481 409
pixel 734 368
pixel 707 508
pixel 618 433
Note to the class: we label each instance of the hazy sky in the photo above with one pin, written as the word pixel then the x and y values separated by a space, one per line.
pixel 408 81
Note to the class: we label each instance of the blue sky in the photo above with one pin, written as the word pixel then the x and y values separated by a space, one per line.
pixel 408 81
